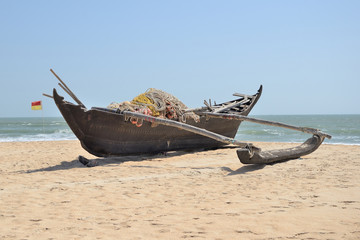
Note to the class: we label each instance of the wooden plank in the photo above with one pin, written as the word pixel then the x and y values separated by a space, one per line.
pixel 186 127
pixel 208 105
pixel 231 105
pixel 243 95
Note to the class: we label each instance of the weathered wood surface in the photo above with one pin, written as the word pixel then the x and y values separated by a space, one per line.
pixel 231 105
pixel 242 95
pixel 250 155
pixel 67 89
pixel 105 132
pixel 270 123
pixel 186 127
pixel 47 95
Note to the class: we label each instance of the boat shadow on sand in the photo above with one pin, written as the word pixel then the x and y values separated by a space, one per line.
pixel 252 167
pixel 81 162
pixel 244 169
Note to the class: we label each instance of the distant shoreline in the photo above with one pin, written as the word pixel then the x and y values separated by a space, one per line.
pixel 255 142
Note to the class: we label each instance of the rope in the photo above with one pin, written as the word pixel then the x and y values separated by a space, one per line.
pixel 157 103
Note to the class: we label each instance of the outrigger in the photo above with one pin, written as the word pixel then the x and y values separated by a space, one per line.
pixel 106 132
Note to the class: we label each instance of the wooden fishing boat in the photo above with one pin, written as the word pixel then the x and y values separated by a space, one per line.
pixel 107 132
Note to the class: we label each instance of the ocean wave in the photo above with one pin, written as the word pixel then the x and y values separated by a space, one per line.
pixel 56 136
pixel 342 143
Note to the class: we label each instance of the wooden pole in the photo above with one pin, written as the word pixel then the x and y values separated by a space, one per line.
pixel 68 89
pixel 265 122
pixel 47 95
pixel 230 105
pixel 208 105
pixel 186 127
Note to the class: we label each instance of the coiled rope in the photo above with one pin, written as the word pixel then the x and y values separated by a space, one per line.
pixel 161 104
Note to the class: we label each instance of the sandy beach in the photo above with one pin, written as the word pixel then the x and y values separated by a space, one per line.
pixel 46 193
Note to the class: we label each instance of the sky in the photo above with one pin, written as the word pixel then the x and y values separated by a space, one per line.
pixel 306 54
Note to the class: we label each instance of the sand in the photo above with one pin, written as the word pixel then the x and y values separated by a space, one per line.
pixel 46 193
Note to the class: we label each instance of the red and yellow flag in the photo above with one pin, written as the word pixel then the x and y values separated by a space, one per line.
pixel 36 105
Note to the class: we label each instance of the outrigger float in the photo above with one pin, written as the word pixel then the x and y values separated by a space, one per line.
pixel 106 132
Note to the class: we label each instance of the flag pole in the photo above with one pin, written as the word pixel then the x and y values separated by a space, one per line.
pixel 38 106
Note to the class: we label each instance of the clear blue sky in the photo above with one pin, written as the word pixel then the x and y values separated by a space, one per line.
pixel 306 54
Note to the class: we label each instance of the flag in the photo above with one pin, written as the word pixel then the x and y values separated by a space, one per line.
pixel 36 105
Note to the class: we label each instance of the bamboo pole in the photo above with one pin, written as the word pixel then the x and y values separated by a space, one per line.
pixel 186 127
pixel 47 95
pixel 69 91
pixel 230 105
pixel 208 105
pixel 270 123
pixel 66 90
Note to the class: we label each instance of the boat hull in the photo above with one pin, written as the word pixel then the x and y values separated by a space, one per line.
pixel 107 133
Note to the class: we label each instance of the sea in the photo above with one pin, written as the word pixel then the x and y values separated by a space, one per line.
pixel 344 129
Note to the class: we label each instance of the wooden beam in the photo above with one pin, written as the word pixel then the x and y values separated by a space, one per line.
pixel 68 89
pixel 265 122
pixel 242 95
pixel 47 95
pixel 231 105
pixel 208 105
pixel 186 127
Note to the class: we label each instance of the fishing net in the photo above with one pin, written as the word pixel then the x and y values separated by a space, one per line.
pixel 157 103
